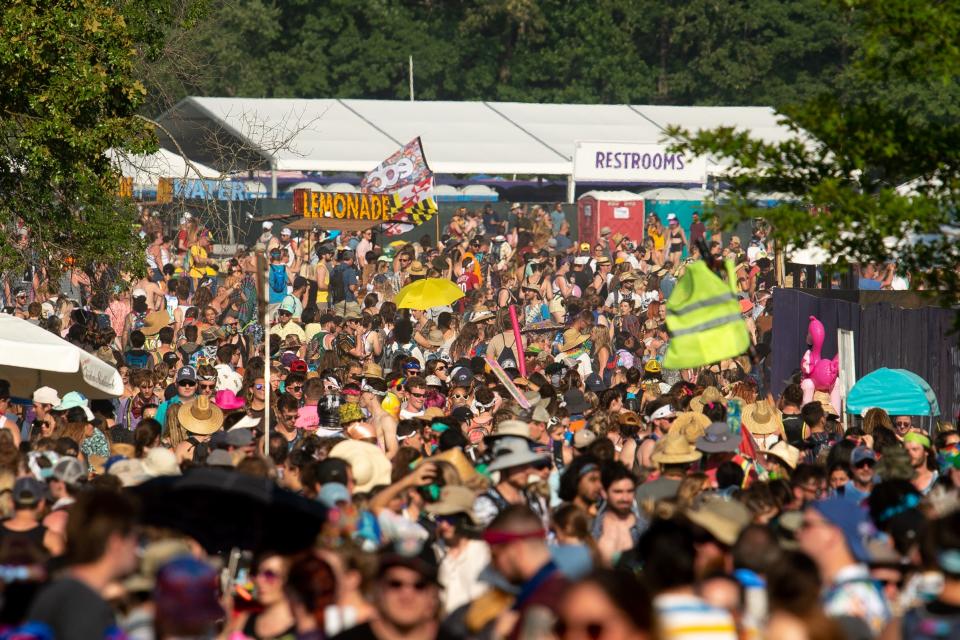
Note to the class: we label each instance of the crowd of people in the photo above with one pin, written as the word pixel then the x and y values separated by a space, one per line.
pixel 481 480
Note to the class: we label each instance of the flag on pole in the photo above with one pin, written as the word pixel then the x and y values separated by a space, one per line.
pixel 407 176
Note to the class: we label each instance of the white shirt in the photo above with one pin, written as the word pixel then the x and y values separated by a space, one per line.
pixel 459 575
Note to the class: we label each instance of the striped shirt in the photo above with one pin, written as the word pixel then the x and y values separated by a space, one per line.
pixel 687 617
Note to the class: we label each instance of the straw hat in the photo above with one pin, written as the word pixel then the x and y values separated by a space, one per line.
pixel 786 453
pixel 572 339
pixel 200 416
pixel 373 371
pixel 453 499
pixel 154 321
pixel 760 419
pixel 435 337
pixel 710 394
pixel 723 518
pixel 369 464
pixel 458 460
pixel 691 425
pixel 674 449
pixel 417 269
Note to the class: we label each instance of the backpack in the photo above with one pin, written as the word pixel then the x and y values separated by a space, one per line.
pixel 137 359
pixel 337 292
pixel 200 450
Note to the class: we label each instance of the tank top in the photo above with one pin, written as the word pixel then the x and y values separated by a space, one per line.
pixel 33 536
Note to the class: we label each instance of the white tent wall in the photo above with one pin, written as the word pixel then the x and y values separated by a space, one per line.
pixel 467 138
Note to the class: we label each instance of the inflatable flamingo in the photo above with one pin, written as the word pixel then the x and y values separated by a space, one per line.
pixel 819 373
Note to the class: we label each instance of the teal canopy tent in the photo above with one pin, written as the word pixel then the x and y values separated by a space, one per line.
pixel 897 391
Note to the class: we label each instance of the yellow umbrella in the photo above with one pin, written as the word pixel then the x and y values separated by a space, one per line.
pixel 427 294
pixel 396 244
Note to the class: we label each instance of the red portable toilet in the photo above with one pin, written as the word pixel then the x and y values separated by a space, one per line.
pixel 622 211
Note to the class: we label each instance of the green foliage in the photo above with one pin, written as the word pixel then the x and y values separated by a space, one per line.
pixel 894 117
pixel 587 51
pixel 68 92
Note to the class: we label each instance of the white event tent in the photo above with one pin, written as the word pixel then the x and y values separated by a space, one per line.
pixel 468 138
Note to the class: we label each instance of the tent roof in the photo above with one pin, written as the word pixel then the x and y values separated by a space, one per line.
pixel 897 391
pixel 148 169
pixel 459 137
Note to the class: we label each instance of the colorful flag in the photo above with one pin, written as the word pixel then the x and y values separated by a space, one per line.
pixel 407 176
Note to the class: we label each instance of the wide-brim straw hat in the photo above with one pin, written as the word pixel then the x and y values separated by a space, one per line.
pixel 787 453
pixel 154 321
pixel 573 339
pixel 453 499
pixel 761 419
pixel 458 460
pixel 710 394
pixel 369 464
pixel 435 337
pixel 674 449
pixel 200 416
pixel 373 371
pixel 691 425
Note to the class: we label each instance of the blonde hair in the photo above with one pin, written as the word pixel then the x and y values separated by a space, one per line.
pixel 876 417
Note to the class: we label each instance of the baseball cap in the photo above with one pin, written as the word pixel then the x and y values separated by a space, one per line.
pixel 186 373
pixel 331 470
pixel 860 454
pixel 267 224
pixel 666 411
pixel 331 493
pixel 583 438
pixel 461 376
pixel 851 519
pixel 69 470
pixel 286 231
pixel 28 491
pixel 239 437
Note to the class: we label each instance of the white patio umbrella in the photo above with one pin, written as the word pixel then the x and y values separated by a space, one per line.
pixel 32 357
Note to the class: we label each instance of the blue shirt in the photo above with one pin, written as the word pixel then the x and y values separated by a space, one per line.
pixel 868 284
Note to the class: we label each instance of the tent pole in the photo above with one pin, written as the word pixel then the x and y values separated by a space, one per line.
pixel 571 189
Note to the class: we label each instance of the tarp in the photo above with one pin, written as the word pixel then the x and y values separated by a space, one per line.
pixel 32 357
pixel 897 391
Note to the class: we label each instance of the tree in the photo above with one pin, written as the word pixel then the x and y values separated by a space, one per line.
pixel 893 117
pixel 69 91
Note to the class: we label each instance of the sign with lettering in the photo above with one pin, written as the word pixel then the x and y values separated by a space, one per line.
pixel 125 190
pixel 635 162
pixel 375 207
pixel 195 189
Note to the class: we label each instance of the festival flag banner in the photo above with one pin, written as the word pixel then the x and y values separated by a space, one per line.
pixel 407 177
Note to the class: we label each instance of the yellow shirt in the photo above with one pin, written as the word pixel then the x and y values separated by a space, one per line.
pixel 196 251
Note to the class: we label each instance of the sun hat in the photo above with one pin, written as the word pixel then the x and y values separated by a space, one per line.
pixel 584 438
pixel 576 402
pixel 629 419
pixel 75 399
pixel 691 425
pixel 760 419
pixel 228 400
pixel 573 339
pixel 453 499
pixel 674 449
pixel 435 337
pixel 154 555
pixel 851 519
pixel 372 371
pixel 130 472
pixel 161 462
pixel 786 453
pixel 200 416
pixel 511 451
pixel 718 439
pixel 154 321
pixel 417 269
pixel 69 470
pixel 710 394
pixel 46 395
pixel 513 428
pixel 350 412
pixel 482 315
pixel 723 518
pixel 540 413
pixel 369 464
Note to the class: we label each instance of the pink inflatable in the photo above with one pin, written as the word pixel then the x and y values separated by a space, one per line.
pixel 819 373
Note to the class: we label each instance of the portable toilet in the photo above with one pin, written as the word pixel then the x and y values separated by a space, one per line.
pixel 621 211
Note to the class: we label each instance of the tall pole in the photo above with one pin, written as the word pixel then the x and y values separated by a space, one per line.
pixel 266 359
pixel 411 78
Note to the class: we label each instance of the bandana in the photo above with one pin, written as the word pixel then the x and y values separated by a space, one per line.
pixel 504 537
pixel 918 438
pixel 368 389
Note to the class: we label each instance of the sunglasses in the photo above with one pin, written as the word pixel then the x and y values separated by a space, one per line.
pixel 295 387
pixel 441 367
pixel 208 386
pixel 417 395
pixel 258 387
pixel 905 425
pixel 592 630
pixel 186 383
pixel 458 396
pixel 268 575
pixel 865 463
pixel 396 585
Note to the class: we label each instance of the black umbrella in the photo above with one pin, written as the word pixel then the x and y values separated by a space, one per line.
pixel 223 509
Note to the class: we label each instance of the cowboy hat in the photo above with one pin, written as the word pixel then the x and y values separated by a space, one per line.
pixel 691 425
pixel 154 321
pixel 369 464
pixel 200 416
pixel 788 454
pixel 372 371
pixel 227 400
pixel 516 428
pixel 718 439
pixel 573 339
pixel 417 269
pixel 481 315
pixel 510 452
pixel 760 419
pixel 724 519
pixel 674 449
pixel 435 337
pixel 455 457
